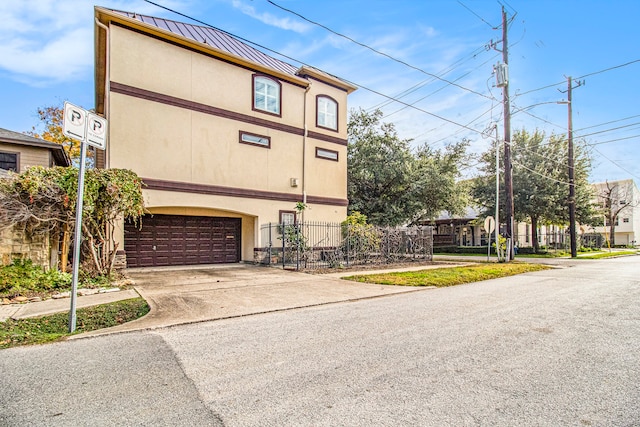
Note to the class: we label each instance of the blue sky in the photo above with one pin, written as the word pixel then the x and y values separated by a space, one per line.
pixel 46 57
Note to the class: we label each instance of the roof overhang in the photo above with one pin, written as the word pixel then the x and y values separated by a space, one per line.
pixel 328 78
pixel 107 17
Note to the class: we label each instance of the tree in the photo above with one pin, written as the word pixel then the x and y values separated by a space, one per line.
pixel 52 118
pixel 540 181
pixel 391 184
pixel 614 198
pixel 379 170
pixel 42 200
pixel 436 182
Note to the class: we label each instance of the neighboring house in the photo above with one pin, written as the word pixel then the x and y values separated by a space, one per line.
pixel 17 153
pixel 468 230
pixel 624 197
pixel 225 137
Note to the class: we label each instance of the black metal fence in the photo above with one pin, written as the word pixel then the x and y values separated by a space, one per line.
pixel 316 245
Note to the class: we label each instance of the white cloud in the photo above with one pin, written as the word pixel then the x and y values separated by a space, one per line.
pixel 43 42
pixel 269 19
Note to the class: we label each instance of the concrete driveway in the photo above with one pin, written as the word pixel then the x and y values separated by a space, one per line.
pixel 188 295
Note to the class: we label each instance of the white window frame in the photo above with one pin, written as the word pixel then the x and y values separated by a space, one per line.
pixel 254 139
pixel 267 94
pixel 326 154
pixel 327 112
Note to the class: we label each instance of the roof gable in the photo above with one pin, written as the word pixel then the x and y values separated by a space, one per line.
pixel 60 156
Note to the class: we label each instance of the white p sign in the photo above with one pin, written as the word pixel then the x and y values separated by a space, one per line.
pixel 75 121
pixel 96 131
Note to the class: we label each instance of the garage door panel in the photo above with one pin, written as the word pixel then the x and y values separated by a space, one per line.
pixel 182 240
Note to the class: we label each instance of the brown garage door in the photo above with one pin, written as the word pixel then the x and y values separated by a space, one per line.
pixel 182 240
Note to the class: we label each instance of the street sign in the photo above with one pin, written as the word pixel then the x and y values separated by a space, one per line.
pixel 489 224
pixel 96 131
pixel 74 121
pixel 91 129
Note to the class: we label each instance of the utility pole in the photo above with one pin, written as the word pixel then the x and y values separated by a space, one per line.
pixel 572 183
pixel 508 177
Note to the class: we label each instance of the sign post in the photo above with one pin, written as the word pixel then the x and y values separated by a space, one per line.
pixel 489 224
pixel 90 129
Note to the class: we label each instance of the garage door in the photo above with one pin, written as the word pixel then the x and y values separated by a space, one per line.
pixel 182 240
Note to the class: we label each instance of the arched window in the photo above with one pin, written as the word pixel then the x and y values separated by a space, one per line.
pixel 327 109
pixel 266 94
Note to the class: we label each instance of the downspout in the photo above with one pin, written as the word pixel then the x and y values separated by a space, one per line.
pixel 304 149
pixel 107 65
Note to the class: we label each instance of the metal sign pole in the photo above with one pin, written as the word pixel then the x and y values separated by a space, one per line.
pixel 78 237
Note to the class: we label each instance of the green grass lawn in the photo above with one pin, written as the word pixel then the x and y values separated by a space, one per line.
pixel 600 255
pixel 40 330
pixel 442 277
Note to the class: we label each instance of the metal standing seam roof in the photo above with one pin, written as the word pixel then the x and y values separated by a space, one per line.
pixel 215 38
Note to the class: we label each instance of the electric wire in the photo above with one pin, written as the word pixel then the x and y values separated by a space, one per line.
pixel 400 61
pixel 608 123
pixel 580 77
pixel 493 27
pixel 308 65
pixel 617 164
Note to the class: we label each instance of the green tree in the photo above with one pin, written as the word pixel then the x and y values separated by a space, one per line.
pixel 540 181
pixel 379 170
pixel 436 184
pixel 391 184
pixel 52 118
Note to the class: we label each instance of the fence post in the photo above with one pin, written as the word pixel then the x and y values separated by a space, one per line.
pixel 284 239
pixel 348 242
pixel 297 247
pixel 270 243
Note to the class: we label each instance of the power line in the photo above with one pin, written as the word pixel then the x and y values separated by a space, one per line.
pixel 608 123
pixel 538 173
pixel 581 77
pixel 613 140
pixel 308 65
pixel 493 27
pixel 375 50
pixel 443 72
pixel 618 165
pixel 438 90
pixel 608 130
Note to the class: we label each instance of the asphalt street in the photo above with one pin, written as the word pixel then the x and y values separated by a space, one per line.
pixel 558 347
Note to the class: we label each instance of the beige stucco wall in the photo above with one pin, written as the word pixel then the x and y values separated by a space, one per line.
pixel 171 143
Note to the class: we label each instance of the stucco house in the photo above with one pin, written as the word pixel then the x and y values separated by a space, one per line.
pixel 624 198
pixel 18 152
pixel 224 136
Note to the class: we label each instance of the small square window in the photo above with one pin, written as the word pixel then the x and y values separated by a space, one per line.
pixel 287 217
pixel 323 153
pixel 9 161
pixel 266 94
pixel 253 139
pixel 625 219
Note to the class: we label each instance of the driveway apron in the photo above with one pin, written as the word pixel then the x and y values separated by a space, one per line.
pixel 180 296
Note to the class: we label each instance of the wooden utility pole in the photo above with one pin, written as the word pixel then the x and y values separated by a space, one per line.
pixel 572 183
pixel 508 177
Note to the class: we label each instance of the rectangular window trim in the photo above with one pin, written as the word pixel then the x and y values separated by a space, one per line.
pixel 253 95
pixel 326 154
pixel 254 139
pixel 16 155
